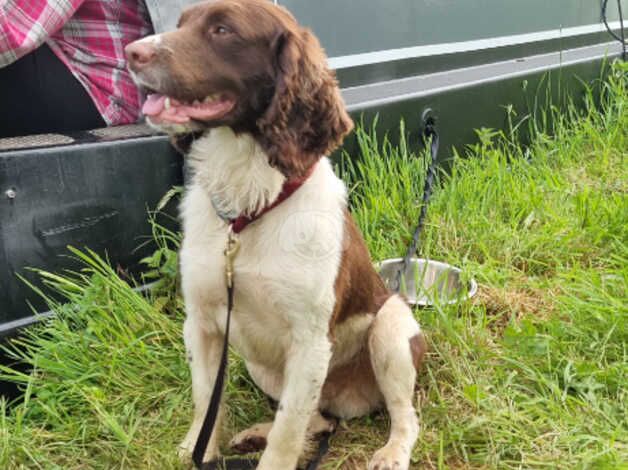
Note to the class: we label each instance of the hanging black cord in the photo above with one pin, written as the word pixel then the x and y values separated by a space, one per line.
pixel 429 135
pixel 622 38
pixel 623 33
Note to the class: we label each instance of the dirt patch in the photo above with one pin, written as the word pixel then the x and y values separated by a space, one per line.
pixel 505 304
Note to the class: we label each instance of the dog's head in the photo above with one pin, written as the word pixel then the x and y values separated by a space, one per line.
pixel 248 65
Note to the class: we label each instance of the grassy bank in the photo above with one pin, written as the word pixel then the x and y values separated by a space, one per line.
pixel 530 374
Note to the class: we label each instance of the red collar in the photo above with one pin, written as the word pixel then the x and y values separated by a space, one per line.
pixel 288 188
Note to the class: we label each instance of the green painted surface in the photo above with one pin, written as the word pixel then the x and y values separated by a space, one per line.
pixel 355 26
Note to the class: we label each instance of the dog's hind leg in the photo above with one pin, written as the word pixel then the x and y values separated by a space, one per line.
pixel 396 346
pixel 254 438
pixel 203 345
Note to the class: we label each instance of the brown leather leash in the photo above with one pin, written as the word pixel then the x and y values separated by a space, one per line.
pixel 209 422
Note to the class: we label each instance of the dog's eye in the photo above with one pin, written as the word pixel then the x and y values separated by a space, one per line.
pixel 220 30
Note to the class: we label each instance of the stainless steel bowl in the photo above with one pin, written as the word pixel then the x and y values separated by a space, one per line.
pixel 427 282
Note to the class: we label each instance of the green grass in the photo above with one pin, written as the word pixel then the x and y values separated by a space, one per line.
pixel 532 373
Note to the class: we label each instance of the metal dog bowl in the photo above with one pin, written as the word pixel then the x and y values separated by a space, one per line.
pixel 427 282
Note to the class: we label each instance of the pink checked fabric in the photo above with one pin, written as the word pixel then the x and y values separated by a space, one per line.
pixel 89 37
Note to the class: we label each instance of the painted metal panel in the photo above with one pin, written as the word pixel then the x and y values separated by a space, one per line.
pixel 80 195
pixel 348 27
pixel 469 98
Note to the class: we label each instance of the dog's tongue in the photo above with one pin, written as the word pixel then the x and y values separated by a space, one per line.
pixel 154 104
pixel 180 113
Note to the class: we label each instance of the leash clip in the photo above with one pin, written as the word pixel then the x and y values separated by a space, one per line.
pixel 231 250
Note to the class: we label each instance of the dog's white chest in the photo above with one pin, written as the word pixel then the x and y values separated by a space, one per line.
pixel 284 271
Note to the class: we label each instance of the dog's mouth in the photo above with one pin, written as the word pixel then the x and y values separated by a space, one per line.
pixel 162 109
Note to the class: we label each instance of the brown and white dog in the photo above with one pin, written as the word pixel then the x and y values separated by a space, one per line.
pixel 312 319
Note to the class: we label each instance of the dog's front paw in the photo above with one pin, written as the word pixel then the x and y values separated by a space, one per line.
pixel 274 461
pixel 184 451
pixel 186 448
pixel 390 457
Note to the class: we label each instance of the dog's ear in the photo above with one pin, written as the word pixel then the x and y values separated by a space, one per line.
pixel 306 118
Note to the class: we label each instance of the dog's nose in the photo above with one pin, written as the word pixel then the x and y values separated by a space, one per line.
pixel 139 54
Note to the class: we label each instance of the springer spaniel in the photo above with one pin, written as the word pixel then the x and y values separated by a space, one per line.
pixel 315 324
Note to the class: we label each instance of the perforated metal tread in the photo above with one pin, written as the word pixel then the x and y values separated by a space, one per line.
pixel 123 132
pixel 34 141
pixel 96 135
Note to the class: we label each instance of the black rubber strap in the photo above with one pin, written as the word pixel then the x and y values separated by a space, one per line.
pixel 429 134
pixel 622 37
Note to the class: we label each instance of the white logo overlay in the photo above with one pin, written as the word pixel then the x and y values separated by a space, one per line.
pixel 311 235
